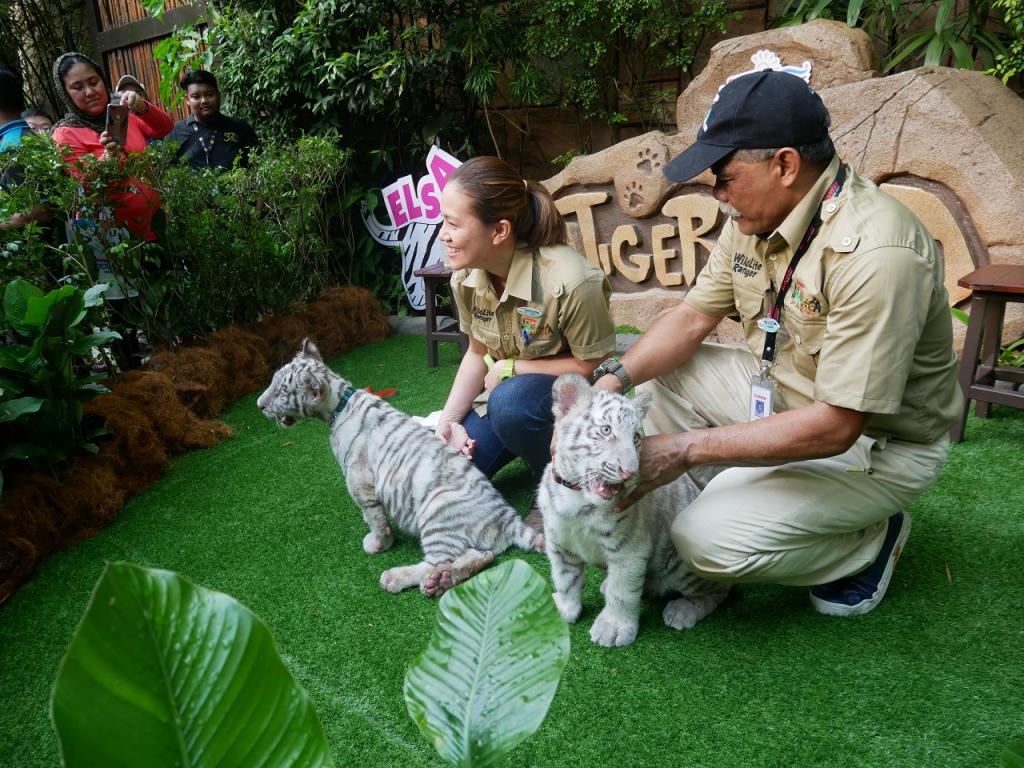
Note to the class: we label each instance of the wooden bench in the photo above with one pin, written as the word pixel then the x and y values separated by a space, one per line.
pixel 994 286
pixel 434 277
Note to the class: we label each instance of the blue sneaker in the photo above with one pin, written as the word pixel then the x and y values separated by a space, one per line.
pixel 860 593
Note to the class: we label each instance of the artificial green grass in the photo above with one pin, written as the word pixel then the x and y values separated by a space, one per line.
pixel 933 677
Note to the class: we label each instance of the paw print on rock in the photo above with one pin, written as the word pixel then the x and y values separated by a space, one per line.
pixel 649 161
pixel 633 195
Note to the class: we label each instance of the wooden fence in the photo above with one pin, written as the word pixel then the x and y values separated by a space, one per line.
pixel 124 36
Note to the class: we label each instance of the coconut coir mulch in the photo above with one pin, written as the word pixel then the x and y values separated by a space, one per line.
pixel 166 409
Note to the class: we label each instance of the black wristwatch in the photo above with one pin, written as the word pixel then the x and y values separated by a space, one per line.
pixel 613 366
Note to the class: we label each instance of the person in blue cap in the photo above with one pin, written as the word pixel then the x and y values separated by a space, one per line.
pixel 12 129
pixel 810 442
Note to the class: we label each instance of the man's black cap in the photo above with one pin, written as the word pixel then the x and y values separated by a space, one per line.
pixel 762 110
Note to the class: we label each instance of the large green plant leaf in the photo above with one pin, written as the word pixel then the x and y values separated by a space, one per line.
pixel 1013 755
pixel 39 306
pixel 164 673
pixel 487 678
pixel 84 344
pixel 16 298
pixel 94 295
pixel 58 311
pixel 12 409
pixel 10 385
pixel 13 357
pixel 22 451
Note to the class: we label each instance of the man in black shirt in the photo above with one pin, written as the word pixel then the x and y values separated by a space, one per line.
pixel 209 139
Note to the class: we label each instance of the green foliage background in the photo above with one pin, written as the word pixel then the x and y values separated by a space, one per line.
pixel 394 77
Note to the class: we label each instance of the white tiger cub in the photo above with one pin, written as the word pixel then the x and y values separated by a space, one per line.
pixel 395 468
pixel 597 451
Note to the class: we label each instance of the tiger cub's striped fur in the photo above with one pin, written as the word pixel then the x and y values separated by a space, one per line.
pixel 397 469
pixel 597 450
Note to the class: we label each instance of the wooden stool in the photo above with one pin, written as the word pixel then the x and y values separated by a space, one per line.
pixel 437 276
pixel 993 286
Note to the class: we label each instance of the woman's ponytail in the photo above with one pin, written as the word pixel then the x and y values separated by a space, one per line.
pixel 496 191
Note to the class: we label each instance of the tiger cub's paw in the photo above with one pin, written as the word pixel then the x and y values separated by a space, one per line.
pixel 374 544
pixel 613 632
pixel 437 582
pixel 397 579
pixel 569 610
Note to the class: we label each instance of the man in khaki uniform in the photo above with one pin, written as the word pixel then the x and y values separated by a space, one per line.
pixel 837 416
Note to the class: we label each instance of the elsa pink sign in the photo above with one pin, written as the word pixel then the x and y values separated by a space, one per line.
pixel 407 201
pixel 414 210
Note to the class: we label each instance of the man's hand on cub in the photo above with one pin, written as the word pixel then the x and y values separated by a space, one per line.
pixel 662 460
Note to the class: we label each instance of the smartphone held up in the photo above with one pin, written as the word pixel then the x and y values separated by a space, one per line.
pixel 117 119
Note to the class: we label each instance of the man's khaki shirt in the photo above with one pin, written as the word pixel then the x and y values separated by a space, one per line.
pixel 564 299
pixel 865 323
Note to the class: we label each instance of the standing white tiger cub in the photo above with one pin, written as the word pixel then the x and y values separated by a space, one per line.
pixel 394 467
pixel 597 451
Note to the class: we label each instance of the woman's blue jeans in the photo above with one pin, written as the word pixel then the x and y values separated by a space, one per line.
pixel 519 422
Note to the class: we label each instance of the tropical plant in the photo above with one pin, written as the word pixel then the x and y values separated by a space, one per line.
pixel 188 46
pixel 1011 355
pixel 486 679
pixel 606 50
pixel 253 240
pixel 34 252
pixel 1013 755
pixel 236 245
pixel 390 76
pixel 43 382
pixel 1011 63
pixel 33 33
pixel 161 672
pixel 960 34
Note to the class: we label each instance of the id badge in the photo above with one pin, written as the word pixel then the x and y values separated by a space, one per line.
pixel 762 392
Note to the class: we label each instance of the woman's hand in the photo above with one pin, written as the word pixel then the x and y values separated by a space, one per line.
pixel 493 377
pixel 453 433
pixel 134 102
pixel 113 149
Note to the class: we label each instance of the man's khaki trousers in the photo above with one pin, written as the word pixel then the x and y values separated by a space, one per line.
pixel 802 523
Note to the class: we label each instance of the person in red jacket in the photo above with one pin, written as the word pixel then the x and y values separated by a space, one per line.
pixel 84 90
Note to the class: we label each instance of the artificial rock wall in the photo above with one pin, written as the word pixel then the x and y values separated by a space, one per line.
pixel 943 141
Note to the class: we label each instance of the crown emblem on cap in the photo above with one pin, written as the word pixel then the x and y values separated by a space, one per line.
pixel 766 59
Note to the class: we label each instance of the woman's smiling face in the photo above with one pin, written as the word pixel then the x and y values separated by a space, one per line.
pixel 471 243
pixel 86 89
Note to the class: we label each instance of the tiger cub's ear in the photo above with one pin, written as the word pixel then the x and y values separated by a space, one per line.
pixel 569 391
pixel 309 350
pixel 641 401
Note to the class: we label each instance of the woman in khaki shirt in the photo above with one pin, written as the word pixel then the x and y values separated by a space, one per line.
pixel 533 308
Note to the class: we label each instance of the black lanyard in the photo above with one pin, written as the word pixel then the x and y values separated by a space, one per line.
pixel 774 312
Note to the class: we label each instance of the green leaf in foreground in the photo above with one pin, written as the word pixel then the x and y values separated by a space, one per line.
pixel 487 678
pixel 1013 755
pixel 164 673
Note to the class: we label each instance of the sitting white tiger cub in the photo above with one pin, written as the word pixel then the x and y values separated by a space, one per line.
pixel 394 467
pixel 597 450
